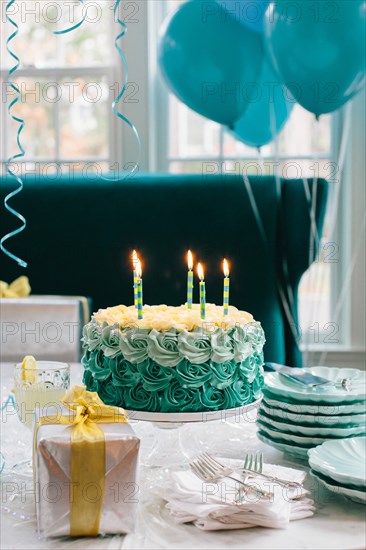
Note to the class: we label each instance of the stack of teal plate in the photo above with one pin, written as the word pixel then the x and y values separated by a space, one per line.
pixel 340 465
pixel 295 418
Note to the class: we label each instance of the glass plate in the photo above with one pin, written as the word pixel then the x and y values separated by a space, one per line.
pixel 331 485
pixel 293 450
pixel 286 415
pixel 284 388
pixel 343 460
pixel 320 431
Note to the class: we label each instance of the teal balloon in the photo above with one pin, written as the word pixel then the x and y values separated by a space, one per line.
pixel 268 112
pixel 208 60
pixel 318 50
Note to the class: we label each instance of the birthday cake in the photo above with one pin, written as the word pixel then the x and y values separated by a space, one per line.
pixel 171 360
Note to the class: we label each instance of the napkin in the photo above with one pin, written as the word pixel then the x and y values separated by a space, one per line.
pixel 209 506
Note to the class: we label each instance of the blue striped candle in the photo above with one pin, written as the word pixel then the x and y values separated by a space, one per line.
pixel 135 278
pixel 226 288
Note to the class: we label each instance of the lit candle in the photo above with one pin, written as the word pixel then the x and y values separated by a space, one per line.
pixel 135 259
pixel 202 292
pixel 139 289
pixel 190 281
pixel 226 288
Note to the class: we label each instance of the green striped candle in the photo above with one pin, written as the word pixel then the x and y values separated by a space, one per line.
pixel 139 291
pixel 135 259
pixel 202 292
pixel 226 288
pixel 190 281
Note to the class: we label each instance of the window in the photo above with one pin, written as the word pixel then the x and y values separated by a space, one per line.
pixel 305 148
pixel 66 84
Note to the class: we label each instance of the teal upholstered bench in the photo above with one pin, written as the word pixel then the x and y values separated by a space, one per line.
pixel 81 231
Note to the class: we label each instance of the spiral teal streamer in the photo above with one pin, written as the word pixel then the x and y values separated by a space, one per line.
pixel 69 29
pixel 21 123
pixel 120 95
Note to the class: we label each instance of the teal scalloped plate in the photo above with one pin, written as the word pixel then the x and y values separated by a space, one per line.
pixel 293 450
pixel 313 420
pixel 285 388
pixel 344 461
pixel 313 431
pixel 291 405
pixel 353 494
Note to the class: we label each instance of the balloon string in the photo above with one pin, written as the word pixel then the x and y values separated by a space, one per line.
pixel 76 26
pixel 118 99
pixel 19 155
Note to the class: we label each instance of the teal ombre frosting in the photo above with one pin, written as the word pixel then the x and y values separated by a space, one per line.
pixel 192 375
pixel 163 347
pixel 195 346
pixel 92 336
pixel 142 369
pixel 222 346
pixel 111 337
pixel 170 347
pixel 133 344
pixel 244 346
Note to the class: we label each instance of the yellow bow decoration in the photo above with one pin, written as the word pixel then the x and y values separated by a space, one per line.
pixel 19 288
pixel 87 458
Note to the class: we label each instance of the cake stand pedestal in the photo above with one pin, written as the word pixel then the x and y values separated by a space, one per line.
pixel 178 437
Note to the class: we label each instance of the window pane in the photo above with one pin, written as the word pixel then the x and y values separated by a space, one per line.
pixel 37 46
pixel 38 135
pixel 191 135
pixel 84 118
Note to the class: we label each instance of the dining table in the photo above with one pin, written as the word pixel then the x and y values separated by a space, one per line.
pixel 337 523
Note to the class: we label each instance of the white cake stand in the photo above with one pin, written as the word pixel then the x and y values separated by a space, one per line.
pixel 166 445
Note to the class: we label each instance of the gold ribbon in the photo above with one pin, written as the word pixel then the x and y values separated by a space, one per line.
pixel 87 457
pixel 19 288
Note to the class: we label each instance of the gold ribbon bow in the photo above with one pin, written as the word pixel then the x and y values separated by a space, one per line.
pixel 87 457
pixel 19 288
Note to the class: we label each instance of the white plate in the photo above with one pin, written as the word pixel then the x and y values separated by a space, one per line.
pixel 307 441
pixel 353 494
pixel 320 431
pixel 343 460
pixel 289 449
pixel 308 408
pixel 350 420
pixel 285 388
pixel 204 416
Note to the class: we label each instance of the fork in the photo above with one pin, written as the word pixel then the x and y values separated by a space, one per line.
pixel 253 465
pixel 208 471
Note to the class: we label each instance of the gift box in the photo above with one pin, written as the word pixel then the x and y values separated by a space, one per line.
pixel 48 327
pixel 85 465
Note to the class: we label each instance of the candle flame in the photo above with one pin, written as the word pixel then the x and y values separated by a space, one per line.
pixel 226 268
pixel 138 268
pixel 190 260
pixel 201 274
pixel 135 259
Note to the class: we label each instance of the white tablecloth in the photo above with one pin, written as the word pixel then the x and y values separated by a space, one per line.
pixel 338 524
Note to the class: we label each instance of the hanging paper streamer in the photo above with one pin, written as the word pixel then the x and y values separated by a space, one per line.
pixel 19 155
pixel 76 26
pixel 122 92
